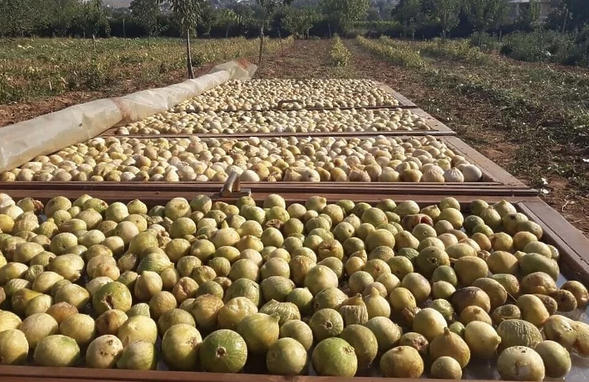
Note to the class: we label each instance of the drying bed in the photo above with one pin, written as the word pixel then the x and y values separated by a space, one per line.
pixel 544 223
pixel 266 94
pixel 394 163
pixel 386 121
pixel 278 122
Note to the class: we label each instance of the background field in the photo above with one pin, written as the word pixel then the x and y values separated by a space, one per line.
pixel 531 118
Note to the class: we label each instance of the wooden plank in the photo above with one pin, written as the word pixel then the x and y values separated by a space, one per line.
pixel 432 122
pixel 437 127
pixel 280 186
pixel 54 379
pixel 420 133
pixel 376 107
pixel 152 197
pixel 497 173
pixel 571 242
pixel 29 374
pixel 392 189
pixel 38 374
pixel 403 101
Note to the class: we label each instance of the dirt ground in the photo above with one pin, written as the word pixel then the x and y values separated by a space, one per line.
pixel 474 119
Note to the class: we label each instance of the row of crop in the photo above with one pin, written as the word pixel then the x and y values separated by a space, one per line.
pixel 340 55
pixel 395 52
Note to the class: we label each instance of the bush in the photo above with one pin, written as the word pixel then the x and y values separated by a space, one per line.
pixel 458 50
pixel 340 55
pixel 484 41
pixel 543 46
pixel 395 52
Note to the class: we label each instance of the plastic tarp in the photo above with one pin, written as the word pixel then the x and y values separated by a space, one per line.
pixel 22 142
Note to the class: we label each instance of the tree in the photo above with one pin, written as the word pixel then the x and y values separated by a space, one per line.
pixel 582 40
pixel 208 17
pixel 300 21
pixel 373 14
pixel 188 13
pixel 95 20
pixel 228 17
pixel 65 15
pixel 385 8
pixel 444 13
pixel 568 15
pixel 529 15
pixel 146 12
pixel 485 14
pixel 267 10
pixel 15 17
pixel 408 13
pixel 343 13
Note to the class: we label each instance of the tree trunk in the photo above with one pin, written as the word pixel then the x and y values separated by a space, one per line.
pixel 280 41
pixel 124 29
pixel 227 31
pixel 261 46
pixel 329 29
pixel 189 56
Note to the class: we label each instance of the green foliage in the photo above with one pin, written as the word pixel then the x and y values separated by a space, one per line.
pixel 300 21
pixel 269 8
pixel 95 20
pixel 65 16
pixel 340 55
pixel 379 27
pixel 146 13
pixel 20 18
pixel 568 15
pixel 457 50
pixel 580 53
pixel 228 17
pixel 529 14
pixel 486 15
pixel 187 12
pixel 208 17
pixel 540 46
pixel 343 13
pixel 17 18
pixel 443 13
pixel 485 41
pixel 408 13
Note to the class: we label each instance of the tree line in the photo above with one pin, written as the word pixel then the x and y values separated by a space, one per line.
pixel 302 18
pixel 19 18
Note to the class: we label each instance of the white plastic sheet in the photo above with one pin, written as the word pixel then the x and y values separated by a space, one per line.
pixel 22 142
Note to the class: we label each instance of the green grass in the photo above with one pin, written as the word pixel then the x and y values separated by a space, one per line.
pixel 36 68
